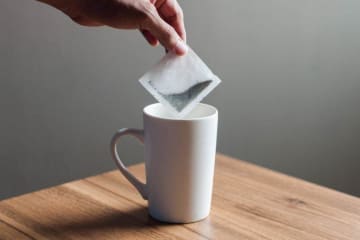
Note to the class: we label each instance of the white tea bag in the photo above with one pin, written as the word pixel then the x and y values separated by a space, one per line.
pixel 180 82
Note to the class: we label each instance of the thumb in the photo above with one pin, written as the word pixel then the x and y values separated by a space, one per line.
pixel 165 33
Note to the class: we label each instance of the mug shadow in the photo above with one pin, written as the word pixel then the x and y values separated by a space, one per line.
pixel 135 220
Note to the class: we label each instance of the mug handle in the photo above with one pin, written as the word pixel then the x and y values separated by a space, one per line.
pixel 139 134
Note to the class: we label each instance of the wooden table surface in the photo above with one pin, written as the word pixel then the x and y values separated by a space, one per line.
pixel 249 202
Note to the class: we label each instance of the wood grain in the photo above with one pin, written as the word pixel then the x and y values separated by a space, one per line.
pixel 249 202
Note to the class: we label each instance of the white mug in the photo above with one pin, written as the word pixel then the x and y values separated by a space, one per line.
pixel 179 162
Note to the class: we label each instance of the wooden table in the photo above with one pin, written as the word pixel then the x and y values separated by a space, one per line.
pixel 249 202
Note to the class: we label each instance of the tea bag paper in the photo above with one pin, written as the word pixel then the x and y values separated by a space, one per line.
pixel 180 82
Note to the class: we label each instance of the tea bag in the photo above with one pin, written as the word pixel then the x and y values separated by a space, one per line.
pixel 180 82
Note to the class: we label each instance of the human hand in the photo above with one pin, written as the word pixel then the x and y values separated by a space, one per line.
pixel 158 20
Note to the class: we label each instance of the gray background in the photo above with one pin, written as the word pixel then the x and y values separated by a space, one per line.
pixel 289 98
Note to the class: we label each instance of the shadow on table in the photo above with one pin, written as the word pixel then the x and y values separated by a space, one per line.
pixel 103 221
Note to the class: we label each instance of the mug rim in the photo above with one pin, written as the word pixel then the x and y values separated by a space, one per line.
pixel 213 113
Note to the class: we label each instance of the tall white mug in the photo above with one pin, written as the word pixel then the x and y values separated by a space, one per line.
pixel 179 161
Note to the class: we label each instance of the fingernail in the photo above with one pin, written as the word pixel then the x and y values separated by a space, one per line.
pixel 181 47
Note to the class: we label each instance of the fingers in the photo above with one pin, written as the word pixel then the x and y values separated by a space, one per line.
pixel 84 21
pixel 162 31
pixel 150 38
pixel 178 24
pixel 172 13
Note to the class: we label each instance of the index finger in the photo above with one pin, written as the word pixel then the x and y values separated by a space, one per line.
pixel 172 13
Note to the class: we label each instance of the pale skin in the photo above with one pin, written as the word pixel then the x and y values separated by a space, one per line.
pixel 158 20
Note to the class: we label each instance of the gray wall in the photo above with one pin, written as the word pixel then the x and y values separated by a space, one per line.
pixel 289 98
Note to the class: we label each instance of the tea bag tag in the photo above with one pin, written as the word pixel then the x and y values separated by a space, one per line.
pixel 179 82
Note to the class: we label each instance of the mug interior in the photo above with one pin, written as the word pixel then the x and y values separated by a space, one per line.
pixel 200 111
